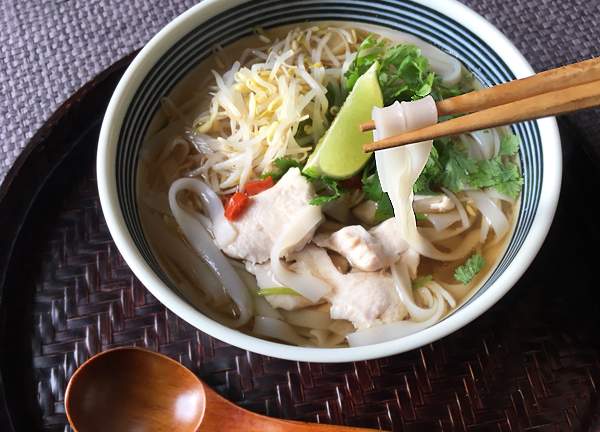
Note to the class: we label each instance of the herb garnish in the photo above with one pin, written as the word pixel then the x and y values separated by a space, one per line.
pixel 466 272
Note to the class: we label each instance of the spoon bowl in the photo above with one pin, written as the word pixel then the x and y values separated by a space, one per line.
pixel 127 389
pixel 136 390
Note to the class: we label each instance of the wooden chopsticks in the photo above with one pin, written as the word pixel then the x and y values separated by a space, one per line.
pixel 556 91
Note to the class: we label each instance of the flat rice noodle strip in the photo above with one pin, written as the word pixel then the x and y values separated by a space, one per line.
pixel 186 260
pixel 201 241
pixel 457 290
pixel 484 230
pixel 491 212
pixel 441 221
pixel 483 144
pixel 276 329
pixel 403 286
pixel 310 318
pixel 341 327
pixel 398 329
pixel 223 231
pixel 302 226
pixel 494 194
pixel 261 306
pixel 434 235
pixel 326 339
pixel 436 287
pixel 459 207
pixel 398 168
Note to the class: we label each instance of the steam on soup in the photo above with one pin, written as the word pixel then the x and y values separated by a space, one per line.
pixel 324 247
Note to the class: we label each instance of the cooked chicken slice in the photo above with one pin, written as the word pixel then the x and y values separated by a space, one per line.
pixel 364 298
pixel 366 250
pixel 267 215
pixel 361 249
pixel 388 234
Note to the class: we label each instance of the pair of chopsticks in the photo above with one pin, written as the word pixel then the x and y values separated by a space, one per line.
pixel 553 92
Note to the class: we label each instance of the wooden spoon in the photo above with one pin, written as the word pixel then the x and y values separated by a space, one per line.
pixel 133 389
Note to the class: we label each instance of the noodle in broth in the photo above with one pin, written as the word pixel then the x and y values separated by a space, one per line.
pixel 382 254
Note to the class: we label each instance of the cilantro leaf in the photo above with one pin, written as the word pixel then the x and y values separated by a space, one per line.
pixel 328 190
pixel 385 210
pixel 368 52
pixel 404 73
pixel 431 171
pixel 282 165
pixel 450 166
pixel 374 192
pixel 509 145
pixel 466 272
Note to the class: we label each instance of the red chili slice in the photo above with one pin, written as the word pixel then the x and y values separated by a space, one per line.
pixel 257 186
pixel 236 205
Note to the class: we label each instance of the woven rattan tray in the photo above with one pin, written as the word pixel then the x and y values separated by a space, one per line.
pixel 530 363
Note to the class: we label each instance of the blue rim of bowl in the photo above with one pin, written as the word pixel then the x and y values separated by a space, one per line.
pixel 230 25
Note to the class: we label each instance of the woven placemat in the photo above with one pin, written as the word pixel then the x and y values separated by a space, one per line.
pixel 48 49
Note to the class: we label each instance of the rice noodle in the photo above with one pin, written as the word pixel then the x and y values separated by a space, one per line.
pixel 398 329
pixel 434 235
pixel 275 329
pixel 261 306
pixel 273 103
pixel 490 211
pixel 222 230
pixel 494 194
pixel 326 339
pixel 201 241
pixel 403 286
pixel 441 221
pixel 316 318
pixel 398 169
pixel 484 230
pixel 461 209
pixel 482 144
pixel 189 262
pixel 300 227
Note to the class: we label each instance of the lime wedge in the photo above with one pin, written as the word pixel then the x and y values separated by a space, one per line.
pixel 339 153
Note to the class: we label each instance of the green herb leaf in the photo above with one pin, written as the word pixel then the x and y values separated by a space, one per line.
pixel 328 190
pixel 421 281
pixel 450 166
pixel 509 145
pixel 429 174
pixel 404 74
pixel 374 192
pixel 466 272
pixel 277 291
pixel 282 166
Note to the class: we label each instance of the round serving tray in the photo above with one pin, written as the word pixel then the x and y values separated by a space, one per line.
pixel 530 363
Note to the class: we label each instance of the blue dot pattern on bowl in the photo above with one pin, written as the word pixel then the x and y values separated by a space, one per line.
pixel 404 16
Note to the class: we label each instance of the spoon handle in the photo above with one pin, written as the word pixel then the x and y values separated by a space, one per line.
pixel 222 415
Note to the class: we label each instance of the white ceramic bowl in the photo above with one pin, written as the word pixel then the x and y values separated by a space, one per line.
pixel 180 45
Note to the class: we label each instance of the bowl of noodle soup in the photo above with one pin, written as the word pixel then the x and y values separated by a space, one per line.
pixel 229 182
